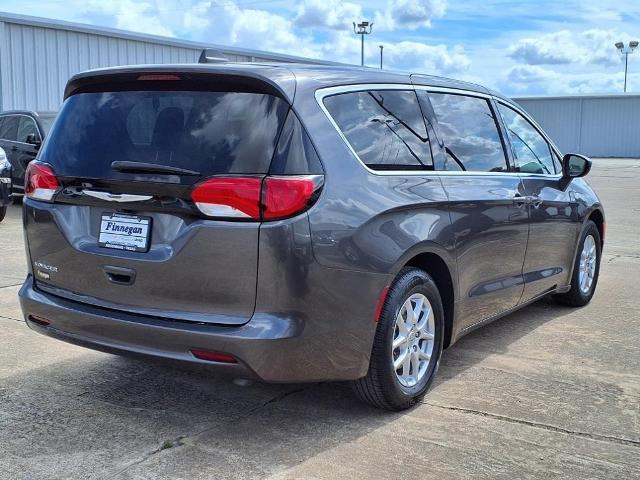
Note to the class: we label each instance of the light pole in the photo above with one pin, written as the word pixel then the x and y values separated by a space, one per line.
pixel 381 48
pixel 362 29
pixel 626 51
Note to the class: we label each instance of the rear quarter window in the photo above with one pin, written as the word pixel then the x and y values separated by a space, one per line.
pixel 384 127
pixel 209 132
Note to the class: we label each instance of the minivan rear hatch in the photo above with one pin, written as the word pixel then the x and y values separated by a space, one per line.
pixel 150 206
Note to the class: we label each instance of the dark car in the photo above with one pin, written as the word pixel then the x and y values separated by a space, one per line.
pixel 299 223
pixel 21 134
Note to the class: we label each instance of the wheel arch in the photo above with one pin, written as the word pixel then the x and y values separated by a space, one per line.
pixel 436 266
pixel 597 217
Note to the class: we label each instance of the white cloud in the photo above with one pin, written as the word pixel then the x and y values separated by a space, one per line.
pixel 533 79
pixel 564 47
pixel 431 59
pixel 333 14
pixel 144 17
pixel 409 14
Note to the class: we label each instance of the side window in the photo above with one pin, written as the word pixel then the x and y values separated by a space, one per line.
pixel 9 129
pixel 470 133
pixel 295 154
pixel 531 151
pixel 26 126
pixel 384 127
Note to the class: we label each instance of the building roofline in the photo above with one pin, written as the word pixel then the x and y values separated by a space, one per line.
pixel 143 37
pixel 575 96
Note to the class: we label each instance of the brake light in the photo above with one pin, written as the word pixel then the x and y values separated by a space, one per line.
pixel 41 182
pixel 158 77
pixel 252 198
pixel 237 197
pixel 286 196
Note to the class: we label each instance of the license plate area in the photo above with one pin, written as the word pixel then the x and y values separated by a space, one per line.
pixel 125 232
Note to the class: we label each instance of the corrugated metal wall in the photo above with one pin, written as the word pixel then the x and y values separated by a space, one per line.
pixel 595 125
pixel 37 62
pixel 37 57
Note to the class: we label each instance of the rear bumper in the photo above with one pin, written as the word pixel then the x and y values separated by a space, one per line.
pixel 269 347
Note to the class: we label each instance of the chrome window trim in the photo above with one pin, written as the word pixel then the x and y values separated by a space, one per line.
pixel 322 93
pixel 22 115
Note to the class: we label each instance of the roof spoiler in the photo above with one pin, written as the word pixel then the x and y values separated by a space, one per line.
pixel 210 55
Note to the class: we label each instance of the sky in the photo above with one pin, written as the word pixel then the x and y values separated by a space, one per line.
pixel 516 47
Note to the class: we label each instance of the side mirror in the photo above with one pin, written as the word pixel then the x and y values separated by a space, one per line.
pixel 33 139
pixel 575 165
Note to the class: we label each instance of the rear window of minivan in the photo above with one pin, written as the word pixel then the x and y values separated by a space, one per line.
pixel 209 132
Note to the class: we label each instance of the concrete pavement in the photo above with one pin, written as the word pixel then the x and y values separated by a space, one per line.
pixel 549 392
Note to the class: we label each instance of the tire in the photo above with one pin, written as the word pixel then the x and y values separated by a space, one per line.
pixel 579 296
pixel 3 212
pixel 382 387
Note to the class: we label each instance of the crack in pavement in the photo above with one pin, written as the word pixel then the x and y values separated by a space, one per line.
pixel 11 318
pixel 276 399
pixel 183 439
pixel 615 256
pixel 542 426
pixel 12 285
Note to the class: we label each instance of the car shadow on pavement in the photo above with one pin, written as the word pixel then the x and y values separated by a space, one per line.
pixel 109 414
pixel 497 337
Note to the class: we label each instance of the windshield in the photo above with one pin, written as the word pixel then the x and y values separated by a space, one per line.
pixel 207 132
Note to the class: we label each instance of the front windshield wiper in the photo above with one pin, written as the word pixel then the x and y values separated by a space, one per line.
pixel 141 167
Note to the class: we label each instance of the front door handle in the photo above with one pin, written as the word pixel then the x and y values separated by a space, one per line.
pixel 14 149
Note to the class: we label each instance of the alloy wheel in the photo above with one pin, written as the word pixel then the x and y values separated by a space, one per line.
pixel 413 340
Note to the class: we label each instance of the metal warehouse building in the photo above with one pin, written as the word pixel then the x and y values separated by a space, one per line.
pixel 595 125
pixel 37 56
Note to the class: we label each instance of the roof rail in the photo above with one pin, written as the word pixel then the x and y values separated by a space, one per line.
pixel 211 55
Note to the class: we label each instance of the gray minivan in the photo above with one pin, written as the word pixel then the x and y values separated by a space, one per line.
pixel 299 223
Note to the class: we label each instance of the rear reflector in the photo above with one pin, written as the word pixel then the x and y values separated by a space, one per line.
pixel 251 198
pixel 39 320
pixel 40 182
pixel 237 197
pixel 287 196
pixel 214 356
pixel 381 300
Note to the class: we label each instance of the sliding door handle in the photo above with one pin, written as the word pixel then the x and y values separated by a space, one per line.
pixel 520 200
pixel 535 200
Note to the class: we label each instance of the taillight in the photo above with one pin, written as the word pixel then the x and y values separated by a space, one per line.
pixel 236 197
pixel 40 182
pixel 286 196
pixel 255 198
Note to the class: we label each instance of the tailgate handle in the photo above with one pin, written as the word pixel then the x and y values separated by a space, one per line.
pixel 120 275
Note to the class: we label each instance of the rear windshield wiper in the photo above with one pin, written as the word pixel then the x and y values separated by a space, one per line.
pixel 140 167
